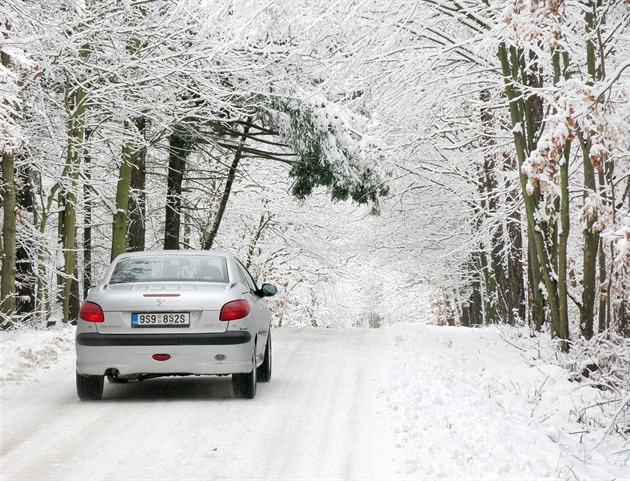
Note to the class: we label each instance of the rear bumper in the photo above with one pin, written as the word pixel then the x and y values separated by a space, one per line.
pixel 206 339
pixel 215 353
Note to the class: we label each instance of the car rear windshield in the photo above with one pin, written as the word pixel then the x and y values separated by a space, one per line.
pixel 170 268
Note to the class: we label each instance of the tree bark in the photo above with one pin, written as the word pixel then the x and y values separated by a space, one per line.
pixel 515 265
pixel 136 232
pixel 7 283
pixel 590 236
pixel 119 225
pixel 25 253
pixel 590 249
pixel 475 304
pixel 87 223
pixel 465 316
pixel 494 273
pixel 563 233
pixel 176 167
pixel 75 106
pixel 537 299
pixel 7 188
pixel 563 298
pixel 602 318
pixel 8 251
pixel 536 231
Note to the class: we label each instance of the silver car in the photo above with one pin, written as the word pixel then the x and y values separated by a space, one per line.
pixel 164 313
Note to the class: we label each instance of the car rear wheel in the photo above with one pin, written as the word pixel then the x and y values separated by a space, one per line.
pixel 90 388
pixel 244 384
pixel 264 370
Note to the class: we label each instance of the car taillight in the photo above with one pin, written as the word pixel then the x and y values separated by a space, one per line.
pixel 234 310
pixel 91 312
pixel 161 357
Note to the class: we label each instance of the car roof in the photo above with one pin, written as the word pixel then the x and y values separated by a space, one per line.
pixel 174 253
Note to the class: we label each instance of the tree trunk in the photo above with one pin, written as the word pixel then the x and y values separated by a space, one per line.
pixel 494 273
pixel 25 280
pixel 590 249
pixel 536 231
pixel 43 298
pixel 7 189
pixel 602 321
pixel 563 233
pixel 75 297
pixel 133 149
pixel 136 233
pixel 208 240
pixel 7 283
pixel 119 225
pixel 563 298
pixel 590 236
pixel 176 167
pixel 515 266
pixel 465 316
pixel 87 224
pixel 75 106
pixel 476 298
pixel 537 302
pixel 623 318
pixel 25 253
pixel 490 298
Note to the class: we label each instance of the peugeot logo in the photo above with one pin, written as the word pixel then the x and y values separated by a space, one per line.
pixel 160 301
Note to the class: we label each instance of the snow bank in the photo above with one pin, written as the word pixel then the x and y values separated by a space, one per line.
pixel 467 404
pixel 25 352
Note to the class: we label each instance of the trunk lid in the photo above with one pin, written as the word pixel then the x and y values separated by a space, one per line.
pixel 130 308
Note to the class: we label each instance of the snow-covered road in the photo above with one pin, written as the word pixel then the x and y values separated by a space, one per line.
pixel 406 402
pixel 315 419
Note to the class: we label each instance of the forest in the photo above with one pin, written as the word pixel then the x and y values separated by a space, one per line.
pixel 371 158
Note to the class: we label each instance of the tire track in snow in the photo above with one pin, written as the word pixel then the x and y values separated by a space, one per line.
pixel 314 420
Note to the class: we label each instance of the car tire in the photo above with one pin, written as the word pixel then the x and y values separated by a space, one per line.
pixel 90 388
pixel 244 384
pixel 264 370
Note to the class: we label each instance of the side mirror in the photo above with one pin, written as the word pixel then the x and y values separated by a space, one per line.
pixel 268 290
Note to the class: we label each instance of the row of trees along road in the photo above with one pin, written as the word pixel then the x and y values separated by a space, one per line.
pixel 505 129
pixel 510 124
pixel 105 99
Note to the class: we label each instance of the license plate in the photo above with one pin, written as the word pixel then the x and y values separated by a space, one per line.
pixel 160 319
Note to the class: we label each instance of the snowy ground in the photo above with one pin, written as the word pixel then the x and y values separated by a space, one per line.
pixel 403 402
